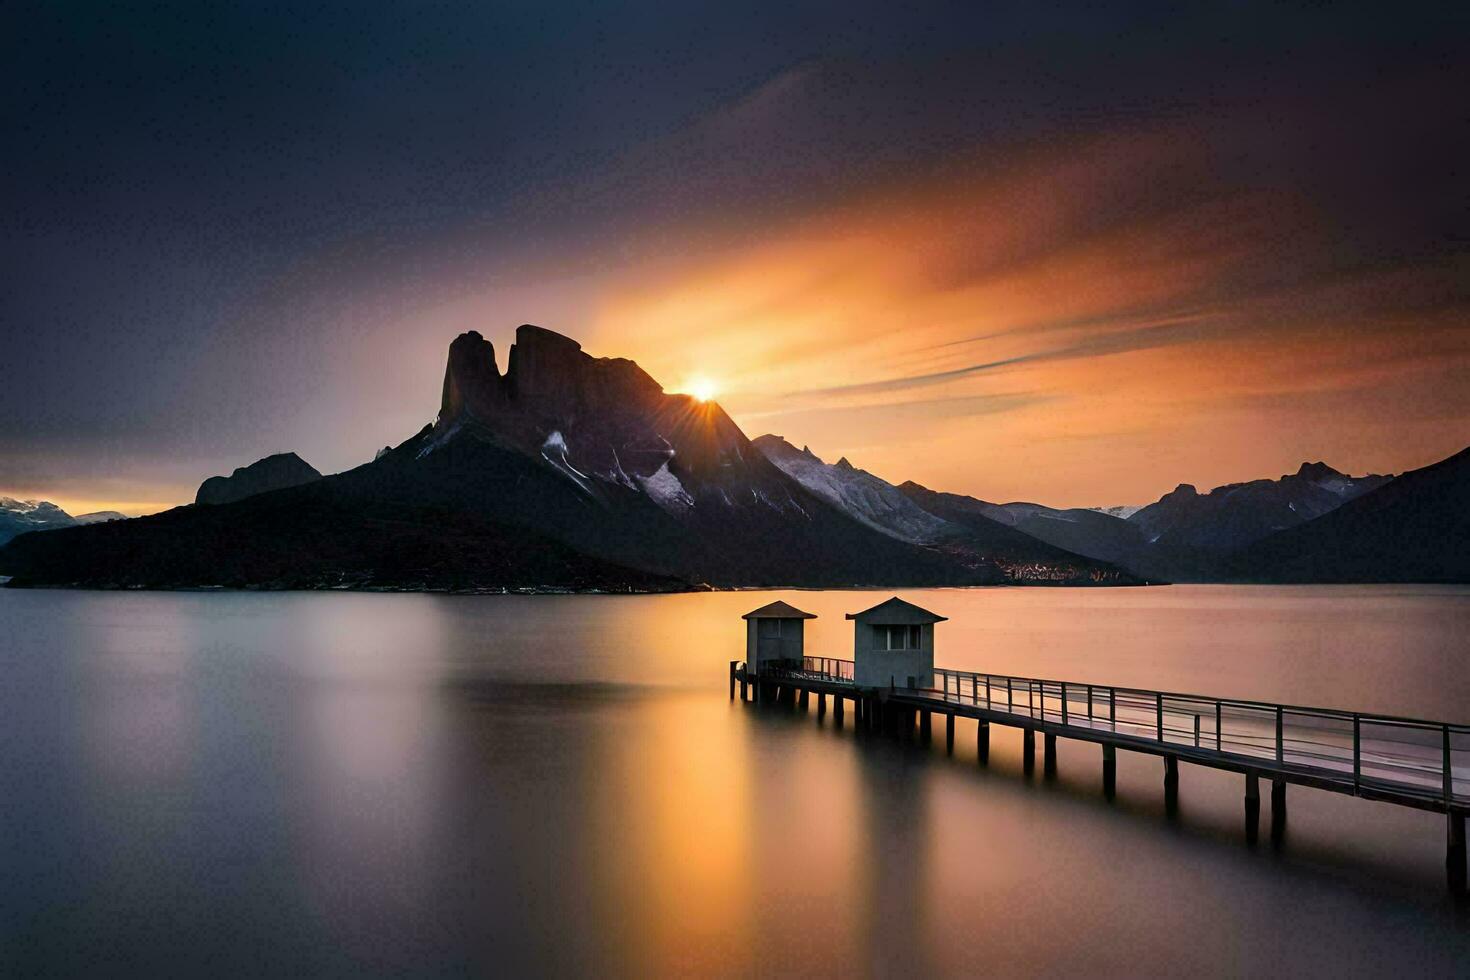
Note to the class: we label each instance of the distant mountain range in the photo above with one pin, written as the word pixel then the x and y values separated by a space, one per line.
pixel 580 473
pixel 1184 536
pixel 906 516
pixel 1415 528
pixel 20 516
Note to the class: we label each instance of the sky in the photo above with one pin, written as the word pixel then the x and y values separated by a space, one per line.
pixel 1076 254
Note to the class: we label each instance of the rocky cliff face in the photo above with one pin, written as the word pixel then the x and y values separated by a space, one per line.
pixel 271 473
pixel 602 423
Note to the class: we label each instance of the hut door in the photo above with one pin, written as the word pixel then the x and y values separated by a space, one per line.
pixel 768 641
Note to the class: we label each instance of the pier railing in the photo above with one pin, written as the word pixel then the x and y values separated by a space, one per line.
pixel 814 668
pixel 828 668
pixel 1401 755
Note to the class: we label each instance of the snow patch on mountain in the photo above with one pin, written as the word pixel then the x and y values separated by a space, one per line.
pixel 619 475
pixel 859 494
pixel 664 488
pixel 20 516
pixel 554 451
pixel 440 440
pixel 1122 511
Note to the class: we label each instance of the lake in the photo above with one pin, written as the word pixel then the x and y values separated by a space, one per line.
pixel 365 784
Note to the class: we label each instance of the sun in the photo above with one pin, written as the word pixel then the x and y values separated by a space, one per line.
pixel 702 388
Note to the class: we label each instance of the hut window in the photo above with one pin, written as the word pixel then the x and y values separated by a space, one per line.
pixel 899 637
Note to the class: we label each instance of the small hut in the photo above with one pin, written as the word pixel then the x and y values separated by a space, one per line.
pixel 774 634
pixel 893 645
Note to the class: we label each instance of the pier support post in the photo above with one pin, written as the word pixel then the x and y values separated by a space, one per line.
pixel 744 689
pixel 1171 775
pixel 1455 851
pixel 821 704
pixel 1028 749
pixel 982 742
pixel 732 680
pixel 805 699
pixel 925 732
pixel 1110 770
pixel 1278 809
pixel 949 734
pixel 1252 805
pixel 1049 754
pixel 838 706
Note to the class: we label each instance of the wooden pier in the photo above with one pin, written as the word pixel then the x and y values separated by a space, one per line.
pixel 1404 761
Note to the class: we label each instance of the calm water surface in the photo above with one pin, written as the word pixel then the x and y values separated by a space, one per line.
pixel 371 784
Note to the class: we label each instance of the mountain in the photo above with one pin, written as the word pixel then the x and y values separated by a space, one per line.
pixel 1237 514
pixel 1076 531
pixel 565 471
pixel 262 476
pixel 328 534
pixel 1184 536
pixel 897 512
pixel 865 497
pixel 1412 529
pixel 20 516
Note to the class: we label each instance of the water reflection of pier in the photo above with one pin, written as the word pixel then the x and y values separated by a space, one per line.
pixel 1405 761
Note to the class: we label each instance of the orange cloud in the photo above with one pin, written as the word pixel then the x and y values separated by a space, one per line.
pixel 1086 324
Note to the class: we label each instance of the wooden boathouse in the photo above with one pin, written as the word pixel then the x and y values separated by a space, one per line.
pixel 894 688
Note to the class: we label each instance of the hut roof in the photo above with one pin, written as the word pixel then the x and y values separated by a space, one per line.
pixel 778 610
pixel 896 612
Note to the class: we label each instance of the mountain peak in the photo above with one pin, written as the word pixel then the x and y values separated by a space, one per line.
pixel 276 472
pixel 19 516
pixel 529 335
pixel 471 377
pixel 1317 471
pixel 602 422
pixel 773 446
